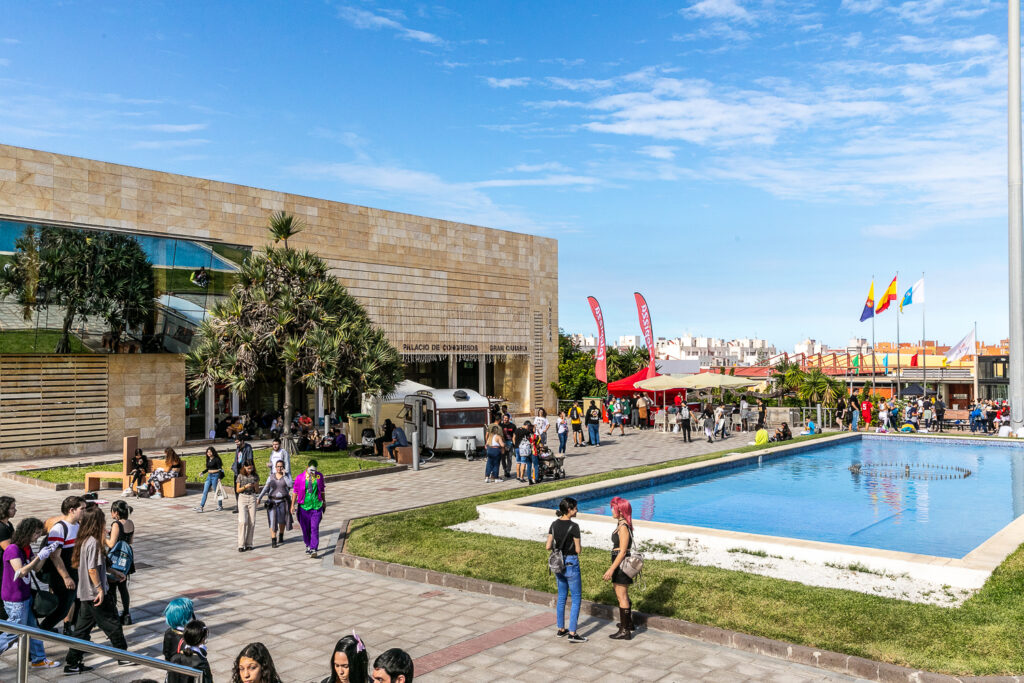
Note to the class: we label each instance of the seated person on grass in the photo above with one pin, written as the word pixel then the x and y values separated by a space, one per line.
pixel 761 437
pixel 810 429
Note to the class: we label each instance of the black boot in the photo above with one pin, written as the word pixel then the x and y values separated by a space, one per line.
pixel 625 625
pixel 280 537
pixel 126 618
pixel 273 542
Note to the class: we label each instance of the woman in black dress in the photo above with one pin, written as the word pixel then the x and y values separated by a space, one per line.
pixel 122 529
pixel 622 542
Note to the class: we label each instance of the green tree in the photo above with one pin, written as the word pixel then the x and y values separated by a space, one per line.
pixel 288 316
pixel 786 378
pixel 123 285
pixel 576 377
pixel 817 387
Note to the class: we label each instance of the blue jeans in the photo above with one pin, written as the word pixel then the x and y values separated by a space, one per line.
pixel 595 434
pixel 532 468
pixel 208 485
pixel 569 581
pixel 493 462
pixel 854 419
pixel 562 438
pixel 21 613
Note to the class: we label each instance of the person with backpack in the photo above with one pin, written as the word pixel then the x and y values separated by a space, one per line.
pixel 192 652
pixel 524 451
pixel 683 415
pixel 564 537
pixel 57 572
pixel 576 422
pixel 122 554
pixel 178 613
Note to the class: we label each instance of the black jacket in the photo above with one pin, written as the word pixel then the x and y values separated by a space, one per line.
pixel 247 459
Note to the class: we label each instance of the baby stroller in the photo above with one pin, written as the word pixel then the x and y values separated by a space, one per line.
pixel 367 444
pixel 552 465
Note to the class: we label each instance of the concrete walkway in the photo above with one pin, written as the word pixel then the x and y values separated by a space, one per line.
pixel 299 607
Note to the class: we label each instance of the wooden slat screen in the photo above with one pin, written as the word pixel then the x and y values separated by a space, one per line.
pixel 48 400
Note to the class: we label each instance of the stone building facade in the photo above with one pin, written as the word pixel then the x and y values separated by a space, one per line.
pixel 444 292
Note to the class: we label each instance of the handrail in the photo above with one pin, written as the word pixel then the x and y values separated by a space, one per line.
pixel 24 632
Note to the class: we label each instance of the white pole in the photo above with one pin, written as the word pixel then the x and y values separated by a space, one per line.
pixel 1016 239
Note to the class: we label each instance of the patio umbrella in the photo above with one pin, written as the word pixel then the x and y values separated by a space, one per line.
pixel 714 380
pixel 662 383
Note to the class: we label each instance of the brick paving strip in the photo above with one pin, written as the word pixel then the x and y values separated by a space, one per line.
pixel 867 669
pixel 468 648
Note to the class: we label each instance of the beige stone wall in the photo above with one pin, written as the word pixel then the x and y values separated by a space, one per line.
pixel 146 398
pixel 430 283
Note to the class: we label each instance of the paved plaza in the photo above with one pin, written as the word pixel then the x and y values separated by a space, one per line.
pixel 299 607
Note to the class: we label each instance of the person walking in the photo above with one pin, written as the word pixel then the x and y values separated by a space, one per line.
pixel 243 457
pixel 508 431
pixel 541 424
pixel 562 429
pixel 622 543
pixel 594 424
pixel 62 529
pixel 122 529
pixel 96 599
pixel 709 423
pixel 277 491
pixel 684 421
pixel 576 422
pixel 495 446
pixel 178 613
pixel 278 453
pixel 15 587
pixel 761 414
pixel 8 508
pixel 349 662
pixel 247 483
pixel 310 504
pixel 854 404
pixel 214 473
pixel 564 535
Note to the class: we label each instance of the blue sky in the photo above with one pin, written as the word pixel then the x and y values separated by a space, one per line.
pixel 746 165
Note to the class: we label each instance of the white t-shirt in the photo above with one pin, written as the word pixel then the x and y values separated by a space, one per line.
pixel 1005 430
pixel 540 425
pixel 562 425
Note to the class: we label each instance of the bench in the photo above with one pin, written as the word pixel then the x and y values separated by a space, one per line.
pixel 956 419
pixel 404 455
pixel 172 488
pixel 93 479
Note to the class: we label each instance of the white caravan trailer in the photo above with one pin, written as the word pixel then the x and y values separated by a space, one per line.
pixel 447 420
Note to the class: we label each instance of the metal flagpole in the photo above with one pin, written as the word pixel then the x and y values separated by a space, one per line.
pixel 924 349
pixel 899 312
pixel 874 371
pixel 1016 238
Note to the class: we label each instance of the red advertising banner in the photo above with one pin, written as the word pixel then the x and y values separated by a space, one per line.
pixel 645 327
pixel 601 366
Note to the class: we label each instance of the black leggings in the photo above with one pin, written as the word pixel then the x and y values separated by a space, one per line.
pixel 126 599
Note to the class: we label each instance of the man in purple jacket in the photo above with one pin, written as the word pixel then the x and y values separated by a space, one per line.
pixel 309 504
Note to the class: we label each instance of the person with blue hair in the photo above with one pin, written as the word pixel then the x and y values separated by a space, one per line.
pixel 178 613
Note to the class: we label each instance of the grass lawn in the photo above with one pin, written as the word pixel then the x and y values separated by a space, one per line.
pixel 983 636
pixel 337 462
pixel 31 341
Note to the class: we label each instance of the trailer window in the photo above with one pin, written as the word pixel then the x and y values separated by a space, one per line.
pixel 473 417
pixel 430 418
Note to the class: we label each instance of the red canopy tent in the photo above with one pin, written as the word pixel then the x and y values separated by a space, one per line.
pixel 625 386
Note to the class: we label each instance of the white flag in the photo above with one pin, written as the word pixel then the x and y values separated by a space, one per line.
pixel 963 348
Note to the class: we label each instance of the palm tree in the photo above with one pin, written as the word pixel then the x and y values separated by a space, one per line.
pixel 786 378
pixel 284 226
pixel 817 387
pixel 288 315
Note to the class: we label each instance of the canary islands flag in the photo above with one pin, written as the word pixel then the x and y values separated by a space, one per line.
pixel 869 305
pixel 888 296
pixel 914 295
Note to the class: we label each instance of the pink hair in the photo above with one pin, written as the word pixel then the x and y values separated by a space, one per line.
pixel 625 510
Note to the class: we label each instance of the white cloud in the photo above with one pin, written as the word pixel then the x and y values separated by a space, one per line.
pixel 363 19
pixel 580 84
pixel 986 43
pixel 536 168
pixel 658 152
pixel 565 62
pixel 718 9
pixel 853 40
pixel 167 144
pixel 174 127
pixel 717 31
pixel 9 41
pixel 506 83
pixel 862 6
pixel 546 181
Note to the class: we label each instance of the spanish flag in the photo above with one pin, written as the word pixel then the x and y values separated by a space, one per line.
pixel 869 305
pixel 887 297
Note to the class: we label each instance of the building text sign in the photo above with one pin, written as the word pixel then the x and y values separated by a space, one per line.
pixel 465 348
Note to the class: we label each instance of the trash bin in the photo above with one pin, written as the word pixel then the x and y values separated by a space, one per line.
pixel 357 422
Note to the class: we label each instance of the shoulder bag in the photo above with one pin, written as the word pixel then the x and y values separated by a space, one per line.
pixel 556 560
pixel 43 602
pixel 633 563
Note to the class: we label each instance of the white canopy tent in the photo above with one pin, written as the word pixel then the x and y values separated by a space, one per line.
pixel 374 405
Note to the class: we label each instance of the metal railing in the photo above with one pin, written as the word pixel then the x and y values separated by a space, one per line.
pixel 24 632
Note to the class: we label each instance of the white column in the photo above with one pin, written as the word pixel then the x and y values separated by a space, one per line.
pixel 209 409
pixel 234 403
pixel 319 406
pixel 481 367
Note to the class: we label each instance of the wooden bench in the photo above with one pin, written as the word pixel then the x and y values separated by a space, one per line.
pixel 950 417
pixel 93 479
pixel 172 488
pixel 404 455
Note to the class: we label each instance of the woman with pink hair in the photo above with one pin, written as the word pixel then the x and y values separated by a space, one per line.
pixel 622 542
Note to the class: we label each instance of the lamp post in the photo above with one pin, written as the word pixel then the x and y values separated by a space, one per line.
pixel 1016 239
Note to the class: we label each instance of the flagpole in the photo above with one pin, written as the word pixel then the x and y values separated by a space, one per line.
pixel 924 348
pixel 899 370
pixel 874 370
pixel 1015 230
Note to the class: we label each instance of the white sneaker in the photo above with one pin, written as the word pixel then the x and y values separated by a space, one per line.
pixel 487 480
pixel 158 495
pixel 45 664
pixel 127 492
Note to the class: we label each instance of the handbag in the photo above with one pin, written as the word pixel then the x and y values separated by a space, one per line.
pixel 556 560
pixel 44 603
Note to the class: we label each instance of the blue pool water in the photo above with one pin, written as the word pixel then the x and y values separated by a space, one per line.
pixel 813 495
